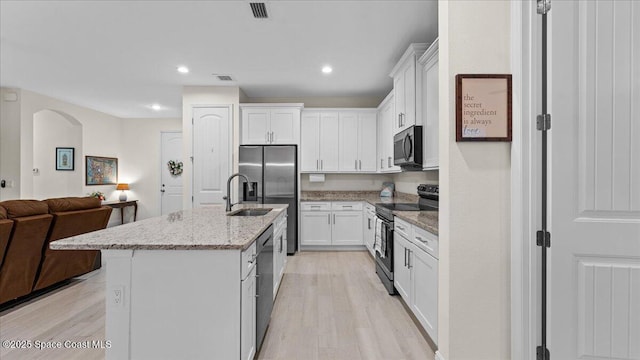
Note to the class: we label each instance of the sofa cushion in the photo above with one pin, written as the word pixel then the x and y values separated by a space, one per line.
pixel 22 208
pixel 3 213
pixel 72 204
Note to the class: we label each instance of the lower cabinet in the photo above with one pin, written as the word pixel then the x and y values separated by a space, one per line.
pixel 369 228
pixel 248 317
pixel 279 252
pixel 331 224
pixel 416 274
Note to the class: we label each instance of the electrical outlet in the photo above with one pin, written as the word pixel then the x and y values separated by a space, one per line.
pixel 117 296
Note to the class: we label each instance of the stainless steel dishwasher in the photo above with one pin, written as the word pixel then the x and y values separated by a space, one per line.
pixel 264 287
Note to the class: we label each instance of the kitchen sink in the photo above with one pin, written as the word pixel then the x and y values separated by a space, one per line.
pixel 250 212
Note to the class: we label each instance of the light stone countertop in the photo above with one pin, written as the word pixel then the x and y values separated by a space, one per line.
pixel 205 228
pixel 427 220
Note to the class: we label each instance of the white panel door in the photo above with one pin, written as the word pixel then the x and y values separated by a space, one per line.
pixel 285 126
pixel 329 142
pixel 401 271
pixel 255 126
pixel 367 136
pixel 248 317
pixel 424 290
pixel 310 142
pixel 347 228
pixel 316 228
pixel 348 141
pixel 211 155
pixel 594 274
pixel 171 185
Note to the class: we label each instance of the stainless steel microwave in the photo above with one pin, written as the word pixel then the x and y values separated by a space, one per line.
pixel 407 148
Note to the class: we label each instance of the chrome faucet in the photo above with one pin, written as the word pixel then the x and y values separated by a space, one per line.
pixel 228 197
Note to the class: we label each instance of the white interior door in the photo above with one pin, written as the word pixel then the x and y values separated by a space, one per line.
pixel 211 154
pixel 171 185
pixel 594 274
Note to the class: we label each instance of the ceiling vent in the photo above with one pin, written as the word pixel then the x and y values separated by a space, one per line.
pixel 259 10
pixel 224 78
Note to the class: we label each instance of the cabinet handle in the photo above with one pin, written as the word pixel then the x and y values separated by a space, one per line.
pixel 405 257
pixel 321 165
pixel 356 164
pixel 400 227
pixel 422 240
pixel 329 219
pixel 266 137
pixel 360 164
pixel 317 166
pixel 399 120
pixel 381 163
pixel 334 219
pixel 409 259
pixel 369 223
pixel 272 137
pixel 389 161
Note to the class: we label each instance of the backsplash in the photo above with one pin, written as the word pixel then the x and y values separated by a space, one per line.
pixel 406 182
pixel 346 182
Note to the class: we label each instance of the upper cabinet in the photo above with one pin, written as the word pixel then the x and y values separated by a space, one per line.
pixel 270 124
pixel 386 127
pixel 427 106
pixel 338 140
pixel 404 87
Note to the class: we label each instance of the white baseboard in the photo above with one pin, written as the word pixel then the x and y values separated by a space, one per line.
pixel 439 355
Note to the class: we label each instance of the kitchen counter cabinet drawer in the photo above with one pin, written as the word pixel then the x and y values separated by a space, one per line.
pixel 346 205
pixel 248 262
pixel 402 227
pixel 425 241
pixel 315 206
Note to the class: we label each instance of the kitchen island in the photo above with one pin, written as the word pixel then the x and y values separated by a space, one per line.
pixel 183 285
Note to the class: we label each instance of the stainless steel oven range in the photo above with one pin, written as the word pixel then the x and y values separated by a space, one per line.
pixel 384 211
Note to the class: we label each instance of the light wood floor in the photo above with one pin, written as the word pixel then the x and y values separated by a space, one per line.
pixel 331 305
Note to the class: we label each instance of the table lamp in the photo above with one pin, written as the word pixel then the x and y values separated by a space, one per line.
pixel 123 187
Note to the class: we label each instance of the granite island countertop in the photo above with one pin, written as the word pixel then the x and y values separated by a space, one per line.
pixel 427 220
pixel 204 228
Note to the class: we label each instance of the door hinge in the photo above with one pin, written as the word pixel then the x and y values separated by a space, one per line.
pixel 540 355
pixel 544 6
pixel 543 122
pixel 543 237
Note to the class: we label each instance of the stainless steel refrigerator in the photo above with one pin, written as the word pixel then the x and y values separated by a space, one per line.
pixel 275 169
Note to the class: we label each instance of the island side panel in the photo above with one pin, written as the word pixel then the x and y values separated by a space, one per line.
pixel 184 304
pixel 118 302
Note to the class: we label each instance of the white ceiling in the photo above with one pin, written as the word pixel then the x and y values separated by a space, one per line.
pixel 119 57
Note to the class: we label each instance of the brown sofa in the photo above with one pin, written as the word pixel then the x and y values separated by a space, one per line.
pixel 29 264
pixel 5 232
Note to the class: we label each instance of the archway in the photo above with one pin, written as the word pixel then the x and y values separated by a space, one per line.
pixel 55 129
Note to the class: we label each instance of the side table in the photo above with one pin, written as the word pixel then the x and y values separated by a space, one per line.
pixel 121 205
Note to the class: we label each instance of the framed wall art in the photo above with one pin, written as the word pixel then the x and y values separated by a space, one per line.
pixel 65 159
pixel 101 170
pixel 483 107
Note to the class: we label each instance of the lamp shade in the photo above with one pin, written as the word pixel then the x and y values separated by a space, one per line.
pixel 122 187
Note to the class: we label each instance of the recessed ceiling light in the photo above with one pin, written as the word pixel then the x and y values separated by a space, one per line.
pixel 183 69
pixel 156 107
pixel 327 69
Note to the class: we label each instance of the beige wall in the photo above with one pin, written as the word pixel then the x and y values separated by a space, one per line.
pixel 407 182
pixel 206 95
pixel 332 101
pixel 10 144
pixel 141 166
pixel 474 292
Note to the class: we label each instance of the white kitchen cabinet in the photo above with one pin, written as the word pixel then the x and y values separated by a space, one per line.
pixel 401 270
pixel 428 105
pixel 424 290
pixel 279 251
pixel 357 141
pixel 327 223
pixel 248 317
pixel 385 135
pixel 369 227
pixel 270 125
pixel 319 146
pixel 347 229
pixel 404 87
pixel 416 273
pixel 316 228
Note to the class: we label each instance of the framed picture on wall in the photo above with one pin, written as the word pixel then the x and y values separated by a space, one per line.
pixel 65 159
pixel 101 170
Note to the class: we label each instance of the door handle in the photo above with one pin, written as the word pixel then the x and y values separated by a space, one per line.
pixel 162 190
